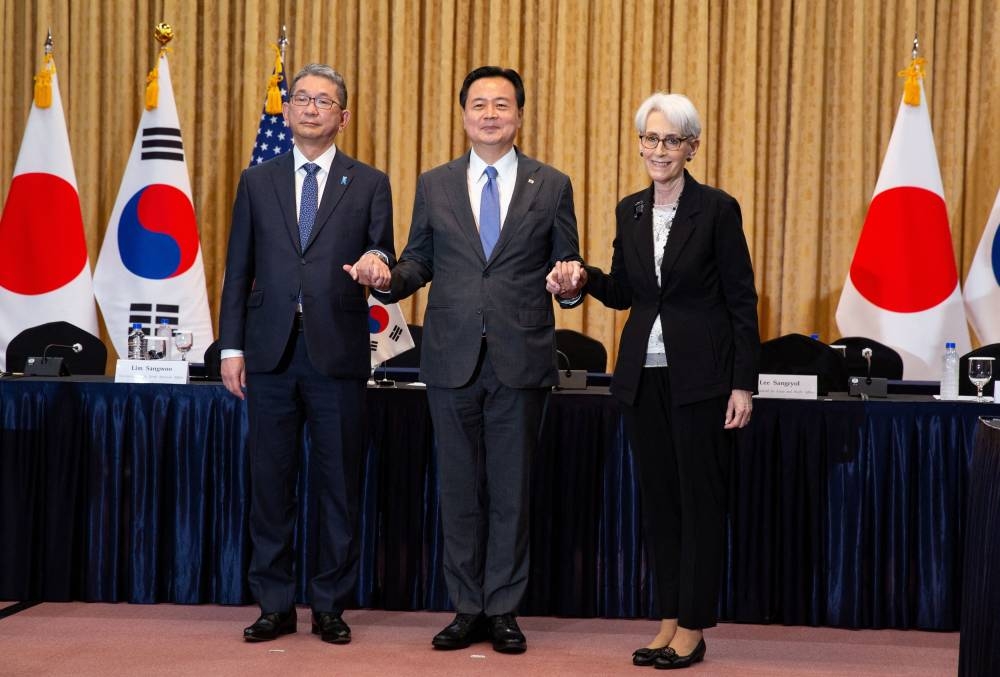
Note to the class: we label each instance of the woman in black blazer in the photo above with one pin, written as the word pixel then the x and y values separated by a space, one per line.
pixel 687 365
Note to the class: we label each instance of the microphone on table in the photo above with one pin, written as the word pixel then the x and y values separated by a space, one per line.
pixel 569 379
pixel 565 357
pixel 866 353
pixel 50 366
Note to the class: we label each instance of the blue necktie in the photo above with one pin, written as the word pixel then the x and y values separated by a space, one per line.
pixel 308 203
pixel 489 212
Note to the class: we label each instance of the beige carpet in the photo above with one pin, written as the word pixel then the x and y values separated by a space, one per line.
pixel 126 639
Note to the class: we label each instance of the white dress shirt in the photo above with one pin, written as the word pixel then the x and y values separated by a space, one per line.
pixel 506 178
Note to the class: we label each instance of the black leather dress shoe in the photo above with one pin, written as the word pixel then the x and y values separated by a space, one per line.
pixel 507 637
pixel 645 656
pixel 461 632
pixel 669 660
pixel 331 628
pixel 271 626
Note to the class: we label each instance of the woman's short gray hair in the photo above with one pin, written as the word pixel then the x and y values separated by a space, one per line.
pixel 678 110
pixel 323 71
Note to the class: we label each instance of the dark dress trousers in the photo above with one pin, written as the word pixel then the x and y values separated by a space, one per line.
pixel 488 359
pixel 707 306
pixel 313 371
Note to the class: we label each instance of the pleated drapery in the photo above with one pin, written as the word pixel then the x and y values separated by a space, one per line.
pixel 797 99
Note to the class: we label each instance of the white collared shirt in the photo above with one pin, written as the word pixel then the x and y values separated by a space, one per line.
pixel 325 161
pixel 506 178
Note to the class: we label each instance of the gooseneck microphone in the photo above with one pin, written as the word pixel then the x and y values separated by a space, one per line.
pixel 76 348
pixel 866 353
pixel 565 357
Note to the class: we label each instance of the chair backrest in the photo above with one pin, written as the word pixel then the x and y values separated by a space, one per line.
pixel 886 362
pixel 965 386
pixel 581 351
pixel 213 361
pixel 799 354
pixel 32 342
pixel 411 358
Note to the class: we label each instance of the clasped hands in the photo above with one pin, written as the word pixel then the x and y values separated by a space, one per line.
pixel 566 279
pixel 370 271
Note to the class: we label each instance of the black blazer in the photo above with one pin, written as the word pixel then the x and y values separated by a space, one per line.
pixel 266 266
pixel 707 304
pixel 508 290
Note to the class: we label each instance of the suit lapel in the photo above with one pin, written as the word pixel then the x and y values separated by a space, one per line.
pixel 642 239
pixel 283 170
pixel 341 175
pixel 526 188
pixel 683 226
pixel 457 187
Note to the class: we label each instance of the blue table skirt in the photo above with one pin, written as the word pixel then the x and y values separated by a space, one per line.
pixel 842 513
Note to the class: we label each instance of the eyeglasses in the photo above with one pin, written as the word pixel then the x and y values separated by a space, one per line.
pixel 670 141
pixel 321 102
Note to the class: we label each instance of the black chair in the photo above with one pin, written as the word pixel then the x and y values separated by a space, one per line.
pixel 799 354
pixel 965 386
pixel 581 351
pixel 32 343
pixel 886 362
pixel 411 358
pixel 213 361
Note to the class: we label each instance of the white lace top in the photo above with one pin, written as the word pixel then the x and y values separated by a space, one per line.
pixel 663 219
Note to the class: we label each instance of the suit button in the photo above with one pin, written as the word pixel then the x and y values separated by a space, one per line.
pixel 303 262
pixel 479 311
pixel 486 274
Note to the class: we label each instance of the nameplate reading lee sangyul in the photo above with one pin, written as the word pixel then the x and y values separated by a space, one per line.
pixel 787 386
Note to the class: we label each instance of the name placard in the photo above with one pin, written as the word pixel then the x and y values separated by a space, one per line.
pixel 787 386
pixel 151 371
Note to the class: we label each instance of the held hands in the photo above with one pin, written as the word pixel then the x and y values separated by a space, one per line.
pixel 566 279
pixel 738 409
pixel 370 271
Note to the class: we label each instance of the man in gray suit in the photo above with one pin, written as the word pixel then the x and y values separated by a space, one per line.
pixel 487 227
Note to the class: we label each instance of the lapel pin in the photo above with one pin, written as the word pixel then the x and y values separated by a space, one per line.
pixel 343 181
pixel 531 180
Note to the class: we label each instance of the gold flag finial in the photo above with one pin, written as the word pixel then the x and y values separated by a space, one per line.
pixel 164 33
pixel 913 74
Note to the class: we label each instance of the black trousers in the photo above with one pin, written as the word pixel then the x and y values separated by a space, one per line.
pixel 682 459
pixel 485 437
pixel 333 411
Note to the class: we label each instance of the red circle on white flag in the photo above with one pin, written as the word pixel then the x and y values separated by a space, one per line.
pixel 904 261
pixel 41 232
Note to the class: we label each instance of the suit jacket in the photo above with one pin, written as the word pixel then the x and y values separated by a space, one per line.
pixel 707 302
pixel 507 292
pixel 266 266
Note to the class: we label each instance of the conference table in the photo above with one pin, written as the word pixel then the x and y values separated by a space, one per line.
pixel 842 513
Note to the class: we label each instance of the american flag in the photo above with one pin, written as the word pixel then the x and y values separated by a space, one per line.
pixel 273 135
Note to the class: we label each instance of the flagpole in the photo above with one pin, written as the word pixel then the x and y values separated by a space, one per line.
pixel 282 43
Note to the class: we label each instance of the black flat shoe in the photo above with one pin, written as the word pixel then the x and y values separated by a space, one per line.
pixel 645 656
pixel 271 626
pixel 669 660
pixel 331 628
pixel 507 636
pixel 463 630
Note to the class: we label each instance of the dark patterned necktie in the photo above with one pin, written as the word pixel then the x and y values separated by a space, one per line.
pixel 308 203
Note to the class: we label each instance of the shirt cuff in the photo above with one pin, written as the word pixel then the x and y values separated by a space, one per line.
pixel 385 259
pixel 230 352
pixel 568 302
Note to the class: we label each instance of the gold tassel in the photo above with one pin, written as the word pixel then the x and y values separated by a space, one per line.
pixel 913 73
pixel 273 105
pixel 43 82
pixel 153 87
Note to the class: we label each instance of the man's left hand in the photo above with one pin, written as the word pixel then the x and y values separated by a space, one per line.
pixel 738 409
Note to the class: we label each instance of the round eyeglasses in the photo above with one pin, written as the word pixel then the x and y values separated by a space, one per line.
pixel 670 141
pixel 321 102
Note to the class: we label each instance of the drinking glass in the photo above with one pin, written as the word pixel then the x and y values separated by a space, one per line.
pixel 980 373
pixel 183 340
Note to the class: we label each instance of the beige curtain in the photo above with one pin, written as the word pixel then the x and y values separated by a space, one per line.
pixel 797 99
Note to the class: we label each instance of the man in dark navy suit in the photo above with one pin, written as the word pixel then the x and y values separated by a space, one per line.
pixel 294 336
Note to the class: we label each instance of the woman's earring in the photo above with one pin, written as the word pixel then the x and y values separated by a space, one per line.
pixel 642 154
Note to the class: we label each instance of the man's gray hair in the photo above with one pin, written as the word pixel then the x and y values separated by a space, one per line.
pixel 323 71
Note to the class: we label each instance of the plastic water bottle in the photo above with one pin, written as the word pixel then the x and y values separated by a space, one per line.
pixel 949 372
pixel 136 342
pixel 164 330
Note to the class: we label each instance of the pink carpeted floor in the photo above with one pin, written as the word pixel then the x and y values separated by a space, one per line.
pixel 127 639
